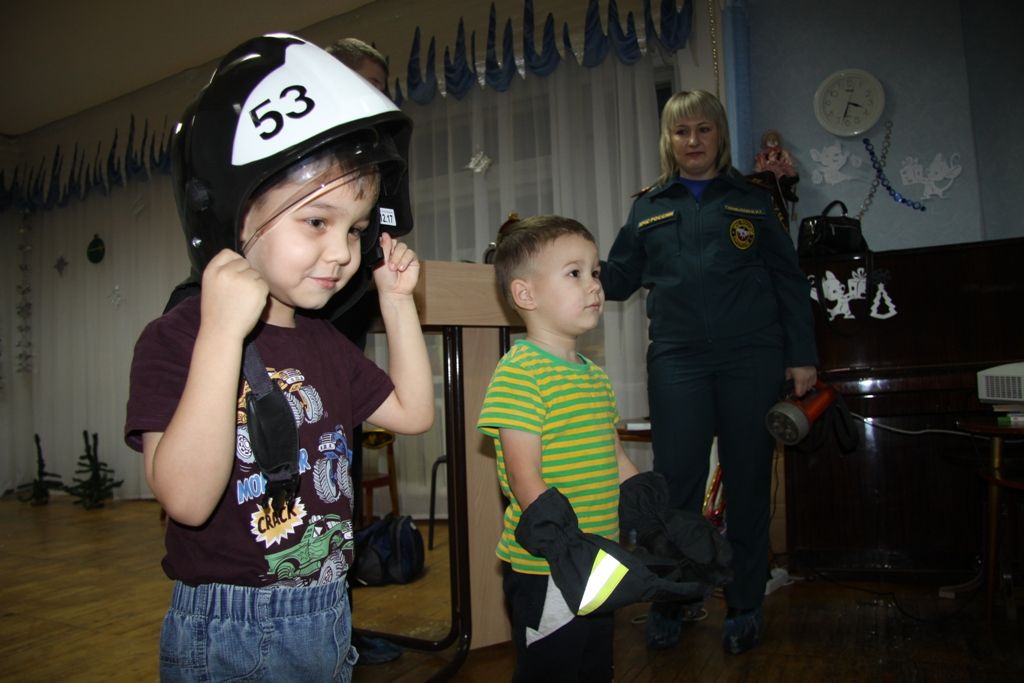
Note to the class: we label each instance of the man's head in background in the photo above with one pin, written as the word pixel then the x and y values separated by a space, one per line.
pixel 364 59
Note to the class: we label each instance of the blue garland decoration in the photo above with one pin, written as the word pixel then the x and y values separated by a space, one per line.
pixel 628 45
pixel 676 25
pixel 545 62
pixel 460 73
pixel 670 34
pixel 499 76
pixel 40 187
pixel 421 90
pixel 880 174
pixel 595 42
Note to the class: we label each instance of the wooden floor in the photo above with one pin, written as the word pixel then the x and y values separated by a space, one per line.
pixel 82 596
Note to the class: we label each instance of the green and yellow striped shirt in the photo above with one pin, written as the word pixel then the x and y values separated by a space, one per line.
pixel 572 407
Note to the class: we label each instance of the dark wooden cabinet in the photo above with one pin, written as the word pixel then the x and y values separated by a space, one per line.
pixel 902 335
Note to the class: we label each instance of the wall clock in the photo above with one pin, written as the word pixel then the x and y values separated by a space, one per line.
pixel 849 102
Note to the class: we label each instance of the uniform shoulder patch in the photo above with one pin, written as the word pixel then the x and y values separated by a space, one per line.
pixel 744 210
pixel 742 233
pixel 652 220
pixel 641 192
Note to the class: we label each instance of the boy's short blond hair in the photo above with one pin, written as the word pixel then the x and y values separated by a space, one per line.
pixel 519 242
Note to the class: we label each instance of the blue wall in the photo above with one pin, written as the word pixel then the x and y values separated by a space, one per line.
pixel 929 58
pixel 995 57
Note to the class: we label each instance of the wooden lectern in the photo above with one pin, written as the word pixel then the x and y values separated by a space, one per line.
pixel 461 300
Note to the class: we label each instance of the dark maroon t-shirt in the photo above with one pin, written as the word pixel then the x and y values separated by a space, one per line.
pixel 331 387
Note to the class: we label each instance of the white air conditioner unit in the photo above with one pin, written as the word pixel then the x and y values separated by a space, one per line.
pixel 1002 384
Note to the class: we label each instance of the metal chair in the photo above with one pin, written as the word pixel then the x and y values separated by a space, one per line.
pixel 441 460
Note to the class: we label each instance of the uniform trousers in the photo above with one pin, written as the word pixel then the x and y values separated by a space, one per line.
pixel 696 391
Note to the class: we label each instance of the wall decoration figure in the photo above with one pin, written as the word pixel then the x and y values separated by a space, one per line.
pixel 479 162
pixel 96 249
pixel 936 178
pixel 835 296
pixel 831 159
pixel 857 284
pixel 116 297
pixel 882 307
pixel 60 265
pixel 835 291
pixel 24 289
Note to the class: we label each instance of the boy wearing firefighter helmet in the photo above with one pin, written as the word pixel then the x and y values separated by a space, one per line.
pixel 290 180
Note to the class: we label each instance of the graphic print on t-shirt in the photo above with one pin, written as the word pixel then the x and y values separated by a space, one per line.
pixel 317 554
pixel 269 531
pixel 331 469
pixel 307 543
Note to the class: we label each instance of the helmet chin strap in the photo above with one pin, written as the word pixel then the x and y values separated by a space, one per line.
pixel 273 436
pixel 308 191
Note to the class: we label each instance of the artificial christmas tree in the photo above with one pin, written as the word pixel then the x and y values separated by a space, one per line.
pixel 100 485
pixel 38 492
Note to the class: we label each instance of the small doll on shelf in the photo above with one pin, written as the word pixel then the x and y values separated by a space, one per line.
pixel 774 157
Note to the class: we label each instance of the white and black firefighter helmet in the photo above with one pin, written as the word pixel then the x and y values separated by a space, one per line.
pixel 273 102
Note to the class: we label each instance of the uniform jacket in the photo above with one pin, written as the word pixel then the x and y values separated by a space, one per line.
pixel 715 270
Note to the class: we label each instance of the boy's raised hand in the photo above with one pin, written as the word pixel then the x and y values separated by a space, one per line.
pixel 233 294
pixel 399 270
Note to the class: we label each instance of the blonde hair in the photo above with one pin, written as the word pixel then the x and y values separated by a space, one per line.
pixel 691 104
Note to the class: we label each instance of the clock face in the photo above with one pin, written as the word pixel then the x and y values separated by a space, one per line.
pixel 849 102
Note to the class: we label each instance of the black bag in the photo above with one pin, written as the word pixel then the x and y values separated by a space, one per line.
pixel 827 235
pixel 389 550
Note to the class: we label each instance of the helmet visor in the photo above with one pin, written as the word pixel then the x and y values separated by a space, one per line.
pixel 366 158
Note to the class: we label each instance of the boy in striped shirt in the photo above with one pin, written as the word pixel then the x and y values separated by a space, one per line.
pixel 552 414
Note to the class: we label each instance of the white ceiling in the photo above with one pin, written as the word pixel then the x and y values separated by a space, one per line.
pixel 60 57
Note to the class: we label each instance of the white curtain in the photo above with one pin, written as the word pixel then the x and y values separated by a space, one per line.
pixel 17 459
pixel 85 320
pixel 578 143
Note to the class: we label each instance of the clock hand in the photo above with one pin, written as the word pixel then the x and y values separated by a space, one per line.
pixel 850 103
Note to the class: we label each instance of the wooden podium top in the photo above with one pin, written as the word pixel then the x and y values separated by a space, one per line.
pixel 463 294
pixel 452 293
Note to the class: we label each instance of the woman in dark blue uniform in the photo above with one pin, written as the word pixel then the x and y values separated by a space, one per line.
pixel 730 322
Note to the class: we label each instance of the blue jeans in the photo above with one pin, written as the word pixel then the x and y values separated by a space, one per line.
pixel 218 632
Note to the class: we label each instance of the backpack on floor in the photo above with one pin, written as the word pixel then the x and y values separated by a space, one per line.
pixel 389 550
